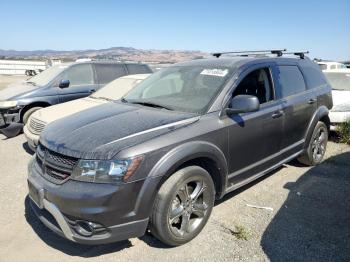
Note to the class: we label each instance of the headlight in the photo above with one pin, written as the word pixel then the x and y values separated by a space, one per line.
pixel 106 171
pixel 8 104
pixel 341 108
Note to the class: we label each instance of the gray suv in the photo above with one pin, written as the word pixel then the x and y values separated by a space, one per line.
pixel 180 140
pixel 58 84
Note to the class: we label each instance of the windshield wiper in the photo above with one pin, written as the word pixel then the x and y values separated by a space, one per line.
pixel 150 104
pixel 338 89
pixel 30 82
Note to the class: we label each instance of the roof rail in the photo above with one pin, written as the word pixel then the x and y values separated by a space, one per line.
pixel 277 52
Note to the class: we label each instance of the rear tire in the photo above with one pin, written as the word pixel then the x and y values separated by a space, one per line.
pixel 29 112
pixel 183 206
pixel 317 146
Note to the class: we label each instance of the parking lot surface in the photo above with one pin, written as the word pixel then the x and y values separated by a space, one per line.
pixel 307 218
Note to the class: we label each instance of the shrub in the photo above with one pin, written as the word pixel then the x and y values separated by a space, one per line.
pixel 344 132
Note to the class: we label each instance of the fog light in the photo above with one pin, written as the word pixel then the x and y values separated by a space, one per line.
pixel 88 229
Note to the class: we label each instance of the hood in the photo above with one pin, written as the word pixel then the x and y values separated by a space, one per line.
pixel 14 91
pixel 340 97
pixel 103 131
pixel 53 113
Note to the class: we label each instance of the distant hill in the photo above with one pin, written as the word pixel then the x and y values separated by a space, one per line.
pixel 120 53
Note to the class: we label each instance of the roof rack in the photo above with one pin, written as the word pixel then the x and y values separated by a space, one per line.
pixel 278 52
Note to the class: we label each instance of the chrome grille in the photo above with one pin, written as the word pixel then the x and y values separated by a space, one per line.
pixel 55 167
pixel 36 126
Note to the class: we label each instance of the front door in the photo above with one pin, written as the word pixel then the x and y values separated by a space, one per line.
pixel 82 82
pixel 255 138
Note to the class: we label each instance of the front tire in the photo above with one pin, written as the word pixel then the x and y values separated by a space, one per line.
pixel 28 113
pixel 183 206
pixel 317 146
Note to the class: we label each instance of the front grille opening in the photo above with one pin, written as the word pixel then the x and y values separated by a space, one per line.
pixel 55 167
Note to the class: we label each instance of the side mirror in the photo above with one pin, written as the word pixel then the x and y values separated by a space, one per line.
pixel 64 84
pixel 243 104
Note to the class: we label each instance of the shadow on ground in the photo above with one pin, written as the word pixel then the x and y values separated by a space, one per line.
pixel 314 222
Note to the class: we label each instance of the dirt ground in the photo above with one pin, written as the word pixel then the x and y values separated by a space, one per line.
pixel 7 79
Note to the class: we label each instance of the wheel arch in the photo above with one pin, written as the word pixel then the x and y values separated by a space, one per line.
pixel 199 153
pixel 31 105
pixel 321 114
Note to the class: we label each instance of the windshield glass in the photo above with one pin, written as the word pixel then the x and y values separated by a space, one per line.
pixel 184 88
pixel 339 81
pixel 116 89
pixel 47 75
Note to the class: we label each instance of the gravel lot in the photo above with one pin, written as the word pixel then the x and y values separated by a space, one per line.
pixel 309 221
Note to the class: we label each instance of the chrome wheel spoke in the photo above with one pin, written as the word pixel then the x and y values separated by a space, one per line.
pixel 199 209
pixel 183 194
pixel 176 213
pixel 185 223
pixel 198 191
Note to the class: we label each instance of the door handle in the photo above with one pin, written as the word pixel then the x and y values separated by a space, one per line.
pixel 277 114
pixel 312 101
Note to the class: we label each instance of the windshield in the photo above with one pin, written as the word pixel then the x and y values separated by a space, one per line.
pixel 46 76
pixel 339 81
pixel 186 88
pixel 117 88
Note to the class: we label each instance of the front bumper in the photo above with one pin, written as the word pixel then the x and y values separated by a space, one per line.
pixel 119 211
pixel 32 139
pixel 8 116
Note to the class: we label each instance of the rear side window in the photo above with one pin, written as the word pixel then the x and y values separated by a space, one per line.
pixel 291 80
pixel 79 75
pixel 138 69
pixel 108 72
pixel 323 66
pixel 313 77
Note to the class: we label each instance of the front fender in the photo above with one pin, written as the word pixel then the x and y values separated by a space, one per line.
pixel 168 164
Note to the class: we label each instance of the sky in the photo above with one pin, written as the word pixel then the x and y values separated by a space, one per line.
pixel 322 27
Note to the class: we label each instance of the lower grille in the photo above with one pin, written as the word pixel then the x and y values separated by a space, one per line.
pixel 55 167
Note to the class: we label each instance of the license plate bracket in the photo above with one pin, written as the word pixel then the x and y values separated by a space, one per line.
pixel 37 195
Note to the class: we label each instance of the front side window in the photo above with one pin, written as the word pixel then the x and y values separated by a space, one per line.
pixel 185 88
pixel 257 83
pixel 79 75
pixel 291 80
pixel 47 75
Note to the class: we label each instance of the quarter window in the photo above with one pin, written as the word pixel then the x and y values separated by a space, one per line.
pixel 291 80
pixel 257 83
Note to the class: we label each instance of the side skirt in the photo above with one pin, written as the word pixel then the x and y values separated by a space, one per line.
pixel 254 177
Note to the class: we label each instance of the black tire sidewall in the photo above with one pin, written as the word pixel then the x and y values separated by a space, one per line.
pixel 309 151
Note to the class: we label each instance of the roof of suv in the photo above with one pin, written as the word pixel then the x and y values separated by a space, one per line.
pixel 235 61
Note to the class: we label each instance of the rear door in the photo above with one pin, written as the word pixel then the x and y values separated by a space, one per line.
pixel 82 82
pixel 299 105
pixel 255 138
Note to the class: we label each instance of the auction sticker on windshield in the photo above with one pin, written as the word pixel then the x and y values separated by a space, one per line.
pixel 215 72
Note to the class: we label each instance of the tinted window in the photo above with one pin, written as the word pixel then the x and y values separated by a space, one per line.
pixel 291 80
pixel 108 72
pixel 257 83
pixel 138 69
pixel 79 75
pixel 313 76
